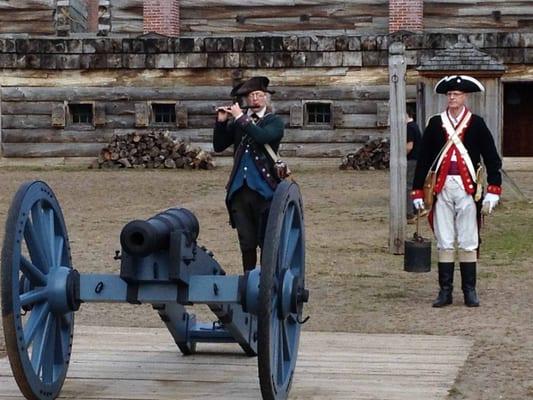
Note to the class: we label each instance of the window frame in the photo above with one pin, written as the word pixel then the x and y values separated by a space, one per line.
pixel 318 125
pixel 165 103
pixel 80 125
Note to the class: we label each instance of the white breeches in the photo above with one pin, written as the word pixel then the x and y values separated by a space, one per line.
pixel 455 220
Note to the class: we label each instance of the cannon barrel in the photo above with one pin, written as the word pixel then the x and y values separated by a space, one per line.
pixel 141 238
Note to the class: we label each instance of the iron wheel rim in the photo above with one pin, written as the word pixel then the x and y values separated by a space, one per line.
pixel 36 248
pixel 283 255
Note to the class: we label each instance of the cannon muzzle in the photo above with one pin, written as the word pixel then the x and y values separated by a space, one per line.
pixel 141 238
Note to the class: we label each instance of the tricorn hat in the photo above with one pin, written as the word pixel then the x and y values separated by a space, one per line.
pixel 462 83
pixel 233 92
pixel 251 85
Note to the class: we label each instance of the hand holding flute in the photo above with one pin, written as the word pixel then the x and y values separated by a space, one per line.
pixel 224 112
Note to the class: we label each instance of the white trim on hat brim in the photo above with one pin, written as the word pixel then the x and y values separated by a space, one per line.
pixel 447 78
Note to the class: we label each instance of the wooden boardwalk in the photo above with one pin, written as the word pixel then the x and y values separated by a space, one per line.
pixel 143 363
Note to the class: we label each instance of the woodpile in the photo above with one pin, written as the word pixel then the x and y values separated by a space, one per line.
pixel 375 154
pixel 152 150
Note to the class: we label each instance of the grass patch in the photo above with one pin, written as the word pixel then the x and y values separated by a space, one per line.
pixel 508 236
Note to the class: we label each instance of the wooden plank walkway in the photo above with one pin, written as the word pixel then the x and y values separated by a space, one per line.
pixel 144 363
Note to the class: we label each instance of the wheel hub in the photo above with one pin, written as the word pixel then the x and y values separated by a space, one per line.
pixel 287 294
pixel 57 290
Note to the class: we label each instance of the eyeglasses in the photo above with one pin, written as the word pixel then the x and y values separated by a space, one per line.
pixel 455 94
pixel 257 95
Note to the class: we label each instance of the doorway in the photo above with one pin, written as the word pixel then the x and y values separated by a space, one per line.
pixel 518 119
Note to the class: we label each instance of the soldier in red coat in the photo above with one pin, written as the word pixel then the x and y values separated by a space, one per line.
pixel 452 145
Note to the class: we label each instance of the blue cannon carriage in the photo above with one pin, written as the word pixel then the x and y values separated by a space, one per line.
pixel 161 264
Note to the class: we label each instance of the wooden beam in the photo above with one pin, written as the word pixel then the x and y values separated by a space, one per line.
pixel 398 152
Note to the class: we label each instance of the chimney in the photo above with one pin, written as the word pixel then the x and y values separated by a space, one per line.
pixel 162 16
pixel 92 15
pixel 406 15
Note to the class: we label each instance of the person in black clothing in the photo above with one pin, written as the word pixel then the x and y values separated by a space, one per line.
pixel 453 144
pixel 253 178
pixel 413 143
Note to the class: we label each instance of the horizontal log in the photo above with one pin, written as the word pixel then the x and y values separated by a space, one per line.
pixel 187 78
pixel 317 150
pixel 27 5
pixel 329 9
pixel 51 149
pixel 24 16
pixel 30 107
pixel 57 136
pixel 194 135
pixel 17 121
pixel 377 92
pixel 92 149
pixel 44 27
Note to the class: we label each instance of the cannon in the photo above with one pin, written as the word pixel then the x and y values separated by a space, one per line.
pixel 161 264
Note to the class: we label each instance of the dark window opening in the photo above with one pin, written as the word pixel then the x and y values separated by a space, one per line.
pixel 164 113
pixel 318 113
pixel 81 113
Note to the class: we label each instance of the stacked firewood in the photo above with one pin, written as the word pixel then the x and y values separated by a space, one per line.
pixel 152 150
pixel 375 154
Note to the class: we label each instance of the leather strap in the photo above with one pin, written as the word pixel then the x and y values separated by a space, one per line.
pixel 453 134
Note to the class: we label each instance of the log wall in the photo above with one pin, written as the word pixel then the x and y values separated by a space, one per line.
pixel 121 76
pixel 35 17
pixel 225 17
pixel 28 117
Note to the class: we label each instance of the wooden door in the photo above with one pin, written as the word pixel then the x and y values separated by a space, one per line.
pixel 518 119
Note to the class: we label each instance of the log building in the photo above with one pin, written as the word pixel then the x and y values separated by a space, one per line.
pixel 75 72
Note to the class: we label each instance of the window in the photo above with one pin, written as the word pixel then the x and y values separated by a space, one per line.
pixel 81 113
pixel 318 114
pixel 164 113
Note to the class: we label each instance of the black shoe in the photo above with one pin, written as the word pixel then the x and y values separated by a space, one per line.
pixel 444 297
pixel 471 299
pixel 468 283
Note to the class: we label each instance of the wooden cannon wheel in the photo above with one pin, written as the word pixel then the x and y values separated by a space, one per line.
pixel 37 312
pixel 281 292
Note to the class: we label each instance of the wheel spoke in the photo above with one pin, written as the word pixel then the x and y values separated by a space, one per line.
pixel 39 345
pixel 59 353
pixel 49 340
pixel 32 297
pixel 285 236
pixel 294 239
pixel 60 241
pixel 32 272
pixel 280 354
pixel 286 341
pixel 35 248
pixel 63 337
pixel 37 316
pixel 50 233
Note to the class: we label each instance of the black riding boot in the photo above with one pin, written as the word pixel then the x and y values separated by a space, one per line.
pixel 249 259
pixel 446 284
pixel 468 284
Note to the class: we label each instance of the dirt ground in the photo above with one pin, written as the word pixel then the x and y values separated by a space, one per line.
pixel 355 284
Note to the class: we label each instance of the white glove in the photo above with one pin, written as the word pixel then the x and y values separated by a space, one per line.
pixel 489 202
pixel 418 204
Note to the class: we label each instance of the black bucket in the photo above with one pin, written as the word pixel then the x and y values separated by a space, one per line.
pixel 417 255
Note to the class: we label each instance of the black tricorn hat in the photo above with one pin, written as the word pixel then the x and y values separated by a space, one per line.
pixel 462 83
pixel 235 89
pixel 251 85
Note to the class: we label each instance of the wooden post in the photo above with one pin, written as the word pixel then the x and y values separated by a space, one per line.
pixel 398 157
pixel 1 145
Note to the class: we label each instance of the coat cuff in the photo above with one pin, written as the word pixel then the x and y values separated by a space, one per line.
pixel 494 189
pixel 417 194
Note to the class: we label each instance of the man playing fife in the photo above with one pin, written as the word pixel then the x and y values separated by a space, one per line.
pixel 253 179
pixel 452 145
